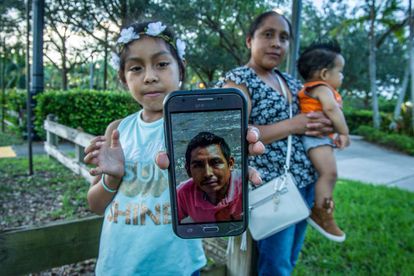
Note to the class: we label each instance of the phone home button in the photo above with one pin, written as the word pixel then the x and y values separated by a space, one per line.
pixel 210 229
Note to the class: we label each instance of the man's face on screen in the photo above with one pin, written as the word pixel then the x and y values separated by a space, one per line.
pixel 211 171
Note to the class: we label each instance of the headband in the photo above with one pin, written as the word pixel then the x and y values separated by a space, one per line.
pixel 153 29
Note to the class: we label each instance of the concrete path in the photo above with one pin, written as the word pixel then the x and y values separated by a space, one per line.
pixel 369 163
pixel 362 161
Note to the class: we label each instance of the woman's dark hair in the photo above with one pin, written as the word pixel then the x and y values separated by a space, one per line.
pixel 317 56
pixel 168 37
pixel 205 139
pixel 258 21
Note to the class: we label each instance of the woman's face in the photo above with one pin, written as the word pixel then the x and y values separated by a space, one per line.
pixel 270 42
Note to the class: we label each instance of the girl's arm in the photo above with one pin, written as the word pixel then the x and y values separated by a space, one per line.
pixel 106 153
pixel 331 108
pixel 311 124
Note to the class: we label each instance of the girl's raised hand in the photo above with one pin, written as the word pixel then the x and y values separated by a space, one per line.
pixel 106 155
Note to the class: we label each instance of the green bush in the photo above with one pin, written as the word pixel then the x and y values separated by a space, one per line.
pixel 404 124
pixel 87 109
pixel 356 118
pixel 16 101
pixel 385 105
pixel 395 141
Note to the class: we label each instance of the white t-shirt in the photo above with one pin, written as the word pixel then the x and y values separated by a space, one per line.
pixel 137 236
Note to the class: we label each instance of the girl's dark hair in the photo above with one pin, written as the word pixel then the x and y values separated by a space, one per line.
pixel 169 39
pixel 258 21
pixel 317 56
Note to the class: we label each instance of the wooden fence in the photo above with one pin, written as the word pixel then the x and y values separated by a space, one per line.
pixel 14 116
pixel 79 138
pixel 33 249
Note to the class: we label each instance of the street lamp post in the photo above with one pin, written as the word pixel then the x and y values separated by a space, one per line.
pixel 37 67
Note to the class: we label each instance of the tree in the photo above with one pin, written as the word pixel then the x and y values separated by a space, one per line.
pixel 388 42
pixel 11 20
pixel 372 63
pixel 215 32
pixel 411 51
pixel 386 9
pixel 102 20
pixel 59 31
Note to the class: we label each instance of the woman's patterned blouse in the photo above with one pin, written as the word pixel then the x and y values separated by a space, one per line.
pixel 268 107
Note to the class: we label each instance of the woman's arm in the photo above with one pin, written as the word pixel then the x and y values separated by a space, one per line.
pixel 106 153
pixel 315 123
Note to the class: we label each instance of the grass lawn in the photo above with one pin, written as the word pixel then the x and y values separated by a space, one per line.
pixel 379 223
pixel 52 193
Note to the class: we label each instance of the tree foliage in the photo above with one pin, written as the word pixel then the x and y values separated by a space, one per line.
pixel 215 33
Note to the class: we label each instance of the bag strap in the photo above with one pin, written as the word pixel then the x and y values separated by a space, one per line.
pixel 289 148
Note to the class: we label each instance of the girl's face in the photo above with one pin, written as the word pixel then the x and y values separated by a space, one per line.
pixel 334 76
pixel 151 73
pixel 270 42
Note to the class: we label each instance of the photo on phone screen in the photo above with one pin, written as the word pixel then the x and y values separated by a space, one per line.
pixel 207 150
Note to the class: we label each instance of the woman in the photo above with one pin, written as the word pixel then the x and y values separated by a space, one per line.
pixel 268 40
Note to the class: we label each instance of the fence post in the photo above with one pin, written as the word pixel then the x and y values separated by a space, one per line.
pixel 79 151
pixel 51 138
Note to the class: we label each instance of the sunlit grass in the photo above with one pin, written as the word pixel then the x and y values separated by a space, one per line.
pixel 379 223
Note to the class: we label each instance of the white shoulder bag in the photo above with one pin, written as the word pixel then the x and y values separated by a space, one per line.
pixel 277 204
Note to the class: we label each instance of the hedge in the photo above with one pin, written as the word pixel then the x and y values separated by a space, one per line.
pixel 356 118
pixel 16 101
pixel 93 110
pixel 89 110
pixel 398 142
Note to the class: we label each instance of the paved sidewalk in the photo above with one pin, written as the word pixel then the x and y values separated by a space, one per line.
pixel 369 163
pixel 362 161
pixel 38 148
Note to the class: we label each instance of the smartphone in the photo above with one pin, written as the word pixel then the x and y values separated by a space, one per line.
pixel 205 133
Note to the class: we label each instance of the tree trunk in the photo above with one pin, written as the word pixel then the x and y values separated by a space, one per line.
pixel 411 49
pixel 64 78
pixel 64 70
pixel 401 96
pixel 91 75
pixel 105 75
pixel 3 85
pixel 373 68
pixel 294 46
pixel 123 12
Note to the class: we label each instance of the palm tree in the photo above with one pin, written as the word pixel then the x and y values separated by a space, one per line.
pixel 382 22
pixel 372 63
pixel 411 49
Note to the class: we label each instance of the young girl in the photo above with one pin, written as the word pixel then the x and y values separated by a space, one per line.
pixel 268 40
pixel 321 66
pixel 130 189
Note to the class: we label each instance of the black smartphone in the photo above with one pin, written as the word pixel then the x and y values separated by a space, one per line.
pixel 205 133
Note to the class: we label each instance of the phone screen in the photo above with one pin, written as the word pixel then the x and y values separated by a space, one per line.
pixel 207 164
pixel 206 143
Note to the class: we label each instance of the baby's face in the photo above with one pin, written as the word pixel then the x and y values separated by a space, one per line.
pixel 334 75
